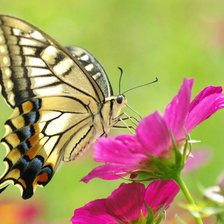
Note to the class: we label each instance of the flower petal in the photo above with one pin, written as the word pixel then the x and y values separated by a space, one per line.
pixel 110 150
pixel 126 202
pixel 153 134
pixel 176 112
pixel 204 109
pixel 132 143
pixel 108 172
pixel 204 93
pixel 160 193
pixel 93 212
pixel 121 155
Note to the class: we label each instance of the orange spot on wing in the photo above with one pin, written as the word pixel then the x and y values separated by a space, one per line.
pixel 33 150
pixel 35 145
pixel 42 178
pixel 34 139
pixel 27 106
pixel 22 182
pixel 36 128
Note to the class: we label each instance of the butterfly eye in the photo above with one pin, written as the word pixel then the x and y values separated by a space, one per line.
pixel 120 99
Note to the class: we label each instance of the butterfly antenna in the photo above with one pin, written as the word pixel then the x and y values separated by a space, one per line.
pixel 156 80
pixel 120 79
pixel 134 110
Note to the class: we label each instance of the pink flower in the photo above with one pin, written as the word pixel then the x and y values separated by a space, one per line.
pixel 127 154
pixel 126 204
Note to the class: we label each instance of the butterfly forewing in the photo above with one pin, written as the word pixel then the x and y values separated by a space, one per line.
pixel 33 64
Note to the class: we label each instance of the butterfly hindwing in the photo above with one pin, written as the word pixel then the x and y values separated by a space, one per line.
pixel 36 147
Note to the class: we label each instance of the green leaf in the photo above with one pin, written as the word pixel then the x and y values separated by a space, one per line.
pixel 178 156
pixel 186 152
pixel 150 218
pixel 161 215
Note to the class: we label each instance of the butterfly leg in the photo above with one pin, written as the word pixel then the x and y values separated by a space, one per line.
pixel 132 119
pixel 123 120
pixel 130 128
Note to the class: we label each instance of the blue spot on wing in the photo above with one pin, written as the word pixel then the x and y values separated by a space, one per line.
pixel 29 175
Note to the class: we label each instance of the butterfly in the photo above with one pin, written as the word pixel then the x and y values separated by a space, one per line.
pixel 62 101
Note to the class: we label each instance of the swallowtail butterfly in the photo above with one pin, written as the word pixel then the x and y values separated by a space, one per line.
pixel 62 100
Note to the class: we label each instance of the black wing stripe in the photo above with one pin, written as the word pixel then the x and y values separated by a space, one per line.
pixel 71 127
pixel 81 139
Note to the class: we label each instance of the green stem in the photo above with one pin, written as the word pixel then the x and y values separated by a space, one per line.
pixel 188 196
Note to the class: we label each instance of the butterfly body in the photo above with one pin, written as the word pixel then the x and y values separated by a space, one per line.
pixel 62 101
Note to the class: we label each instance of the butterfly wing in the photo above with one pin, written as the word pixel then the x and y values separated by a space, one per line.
pixel 94 68
pixel 33 64
pixel 54 100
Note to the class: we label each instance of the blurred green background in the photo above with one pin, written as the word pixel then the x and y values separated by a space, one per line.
pixel 169 39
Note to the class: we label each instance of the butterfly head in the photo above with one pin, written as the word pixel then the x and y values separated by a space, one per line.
pixel 121 99
pixel 117 103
